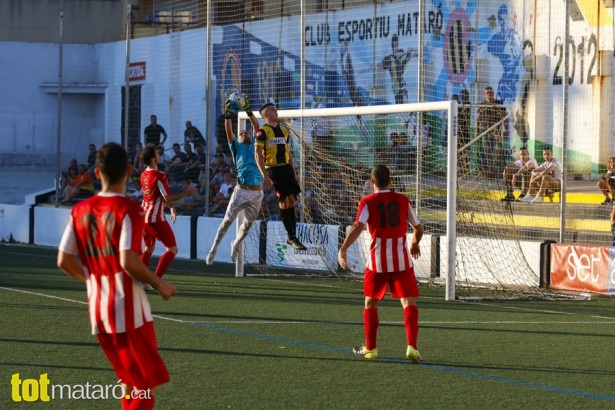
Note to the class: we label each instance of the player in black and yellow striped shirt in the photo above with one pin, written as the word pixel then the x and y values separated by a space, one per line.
pixel 274 159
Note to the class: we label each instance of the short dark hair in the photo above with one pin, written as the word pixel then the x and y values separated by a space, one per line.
pixel 488 88
pixel 265 106
pixel 112 161
pixel 381 176
pixel 148 154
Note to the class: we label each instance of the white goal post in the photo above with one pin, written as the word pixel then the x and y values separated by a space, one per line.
pixel 448 107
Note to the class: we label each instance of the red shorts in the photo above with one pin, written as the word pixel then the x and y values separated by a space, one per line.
pixel 402 284
pixel 134 357
pixel 159 230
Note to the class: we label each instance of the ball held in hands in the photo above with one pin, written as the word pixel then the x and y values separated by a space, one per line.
pixel 244 102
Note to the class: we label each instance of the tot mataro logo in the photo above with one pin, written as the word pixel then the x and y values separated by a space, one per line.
pixel 31 390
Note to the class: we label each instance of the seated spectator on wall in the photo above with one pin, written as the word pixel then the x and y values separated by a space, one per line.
pixel 193 135
pixel 91 159
pixel 70 173
pixel 83 183
pixel 606 185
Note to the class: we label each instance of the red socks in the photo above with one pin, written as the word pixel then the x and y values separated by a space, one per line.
pixel 411 322
pixel 164 263
pixel 370 320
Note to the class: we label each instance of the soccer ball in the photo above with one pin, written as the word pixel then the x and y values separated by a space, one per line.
pixel 234 105
pixel 233 96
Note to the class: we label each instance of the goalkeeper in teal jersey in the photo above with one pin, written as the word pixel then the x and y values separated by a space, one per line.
pixel 248 194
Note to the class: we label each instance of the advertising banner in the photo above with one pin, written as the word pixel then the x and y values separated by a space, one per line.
pixel 321 242
pixel 581 268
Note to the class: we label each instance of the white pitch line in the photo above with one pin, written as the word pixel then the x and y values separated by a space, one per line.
pixel 608 320
pixel 537 310
pixel 43 295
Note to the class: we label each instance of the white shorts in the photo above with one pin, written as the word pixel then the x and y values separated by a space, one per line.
pixel 244 200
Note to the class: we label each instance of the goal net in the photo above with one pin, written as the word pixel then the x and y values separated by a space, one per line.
pixel 470 239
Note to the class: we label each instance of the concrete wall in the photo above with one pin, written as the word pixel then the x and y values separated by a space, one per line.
pixel 14 223
pixel 50 222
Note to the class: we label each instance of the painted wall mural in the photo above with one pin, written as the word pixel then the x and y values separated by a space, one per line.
pixel 372 56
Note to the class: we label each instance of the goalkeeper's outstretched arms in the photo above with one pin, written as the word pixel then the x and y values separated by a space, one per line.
pixel 228 122
pixel 244 104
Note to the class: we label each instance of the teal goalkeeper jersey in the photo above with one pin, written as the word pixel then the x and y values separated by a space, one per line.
pixel 247 170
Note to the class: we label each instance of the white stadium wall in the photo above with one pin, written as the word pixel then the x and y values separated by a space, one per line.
pixel 15 223
pixel 50 223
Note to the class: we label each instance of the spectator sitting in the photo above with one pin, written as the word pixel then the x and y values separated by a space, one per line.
pixel 70 173
pixel 137 164
pixel 193 135
pixel 221 153
pixel 165 160
pixel 224 193
pixel 177 166
pixel 520 169
pixel 403 157
pixel 606 185
pixel 91 159
pixel 217 179
pixel 269 206
pixel 136 194
pixel 132 152
pixel 191 204
pixel 193 168
pixel 83 181
pixel 546 178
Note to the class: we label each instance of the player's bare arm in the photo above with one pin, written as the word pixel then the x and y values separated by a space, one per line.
pixel 415 250
pixel 353 234
pixel 174 197
pixel 260 161
pixel 132 265
pixel 254 122
pixel 71 265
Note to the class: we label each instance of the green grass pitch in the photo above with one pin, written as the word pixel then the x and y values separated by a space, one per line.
pixel 279 343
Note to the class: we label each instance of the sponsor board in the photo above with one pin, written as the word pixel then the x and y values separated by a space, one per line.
pixel 582 268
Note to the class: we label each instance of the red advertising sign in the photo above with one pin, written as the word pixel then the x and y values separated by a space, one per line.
pixel 137 71
pixel 580 268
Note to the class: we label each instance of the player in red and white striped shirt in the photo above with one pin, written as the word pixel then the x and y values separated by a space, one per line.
pixel 387 215
pixel 157 195
pixel 105 232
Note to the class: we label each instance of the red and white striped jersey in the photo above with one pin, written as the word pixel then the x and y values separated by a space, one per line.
pixel 387 215
pixel 155 185
pixel 99 229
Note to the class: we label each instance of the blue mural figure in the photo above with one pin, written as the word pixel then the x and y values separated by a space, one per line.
pixel 396 63
pixel 505 45
pixel 348 73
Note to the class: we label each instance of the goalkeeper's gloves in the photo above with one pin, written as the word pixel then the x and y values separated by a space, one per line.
pixel 227 110
pixel 244 104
